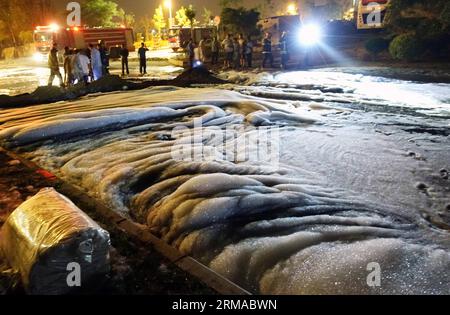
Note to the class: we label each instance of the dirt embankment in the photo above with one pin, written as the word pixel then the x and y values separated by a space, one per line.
pixel 51 94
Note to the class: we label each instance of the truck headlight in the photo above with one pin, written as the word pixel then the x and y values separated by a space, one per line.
pixel 38 57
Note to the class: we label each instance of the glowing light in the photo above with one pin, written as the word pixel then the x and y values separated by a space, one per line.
pixel 197 64
pixel 54 27
pixel 292 9
pixel 37 57
pixel 310 34
pixel 168 4
pixel 76 28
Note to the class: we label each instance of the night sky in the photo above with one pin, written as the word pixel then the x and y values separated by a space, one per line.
pixel 142 7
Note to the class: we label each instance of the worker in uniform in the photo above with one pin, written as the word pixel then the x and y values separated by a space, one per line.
pixel 284 50
pixel 53 64
pixel 267 50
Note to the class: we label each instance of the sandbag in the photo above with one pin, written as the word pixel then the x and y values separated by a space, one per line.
pixel 47 238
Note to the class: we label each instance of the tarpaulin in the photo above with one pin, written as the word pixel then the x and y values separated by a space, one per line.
pixel 53 245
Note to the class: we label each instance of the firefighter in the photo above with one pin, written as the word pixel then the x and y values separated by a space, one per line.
pixel 124 53
pixel 53 64
pixel 96 62
pixel 284 50
pixel 267 50
pixel 142 59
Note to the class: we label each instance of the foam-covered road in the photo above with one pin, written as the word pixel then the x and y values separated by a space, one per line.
pixel 301 183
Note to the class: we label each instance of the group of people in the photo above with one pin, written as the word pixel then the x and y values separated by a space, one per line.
pixel 83 65
pixel 238 51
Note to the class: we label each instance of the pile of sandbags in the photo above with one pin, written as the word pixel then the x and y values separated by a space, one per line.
pixel 54 246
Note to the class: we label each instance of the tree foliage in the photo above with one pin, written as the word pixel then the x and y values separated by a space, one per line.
pixel 191 14
pixel 181 18
pixel 424 21
pixel 100 13
pixel 241 20
pixel 159 20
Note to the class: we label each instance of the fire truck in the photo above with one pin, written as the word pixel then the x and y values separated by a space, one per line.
pixel 80 38
pixel 370 14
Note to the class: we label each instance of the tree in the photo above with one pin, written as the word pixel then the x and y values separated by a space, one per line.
pixel 126 19
pixel 190 14
pixel 425 22
pixel 241 20
pixel 146 23
pixel 181 17
pixel 99 13
pixel 158 19
pixel 14 18
pixel 230 3
pixel 208 17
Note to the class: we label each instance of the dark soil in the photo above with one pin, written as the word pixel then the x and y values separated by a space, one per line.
pixel 135 268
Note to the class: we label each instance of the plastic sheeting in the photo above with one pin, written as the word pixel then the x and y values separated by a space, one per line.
pixel 54 245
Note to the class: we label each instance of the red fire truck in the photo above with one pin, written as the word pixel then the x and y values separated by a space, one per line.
pixel 80 38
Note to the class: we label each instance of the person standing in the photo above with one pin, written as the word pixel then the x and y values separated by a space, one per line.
pixel 68 76
pixel 53 64
pixel 142 59
pixel 124 53
pixel 267 50
pixel 202 50
pixel 242 44
pixel 215 49
pixel 104 56
pixel 228 47
pixel 83 64
pixel 284 50
pixel 249 52
pixel 96 62
pixel 236 54
pixel 190 49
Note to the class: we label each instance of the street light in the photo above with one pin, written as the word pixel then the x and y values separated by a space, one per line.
pixel 292 9
pixel 168 5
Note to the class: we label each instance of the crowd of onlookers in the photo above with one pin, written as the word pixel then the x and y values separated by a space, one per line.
pixel 237 51
pixel 83 65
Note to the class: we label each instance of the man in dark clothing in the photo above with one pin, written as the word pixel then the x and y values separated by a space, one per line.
pixel 267 50
pixel 53 64
pixel 142 59
pixel 249 52
pixel 124 53
pixel 104 57
pixel 190 48
pixel 284 50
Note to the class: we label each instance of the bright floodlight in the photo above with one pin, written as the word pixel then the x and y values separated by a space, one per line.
pixel 54 27
pixel 310 34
